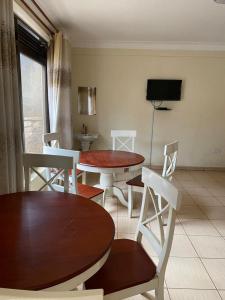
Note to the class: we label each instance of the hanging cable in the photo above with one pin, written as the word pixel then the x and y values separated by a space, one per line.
pixel 152 129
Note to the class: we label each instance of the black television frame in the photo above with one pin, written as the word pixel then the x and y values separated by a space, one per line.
pixel 166 95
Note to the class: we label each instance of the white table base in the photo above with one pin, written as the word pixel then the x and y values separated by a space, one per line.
pixel 106 183
pixel 106 179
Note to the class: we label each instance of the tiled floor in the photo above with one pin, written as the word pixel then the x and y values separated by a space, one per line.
pixel 196 268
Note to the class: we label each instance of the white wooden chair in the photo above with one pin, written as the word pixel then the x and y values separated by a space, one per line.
pixel 64 161
pixel 75 187
pixel 11 294
pixel 123 140
pixel 33 162
pixel 129 269
pixel 169 166
pixel 53 140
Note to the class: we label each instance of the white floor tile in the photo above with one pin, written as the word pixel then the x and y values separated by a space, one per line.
pixel 209 246
pixel 217 191
pixel 216 270
pixel 149 296
pixel 112 209
pixel 188 294
pixel 214 213
pixel 200 191
pixel 191 212
pixel 221 199
pixel 199 227
pixel 178 227
pixel 129 236
pixel 222 294
pixel 220 226
pixel 182 247
pixel 189 184
pixel 206 200
pixel 186 199
pixel 123 211
pixel 187 273
pixel 127 225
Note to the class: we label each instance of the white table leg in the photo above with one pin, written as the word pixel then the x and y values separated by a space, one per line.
pixel 106 183
pixel 119 194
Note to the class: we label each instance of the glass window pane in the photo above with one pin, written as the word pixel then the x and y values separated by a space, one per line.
pixel 33 99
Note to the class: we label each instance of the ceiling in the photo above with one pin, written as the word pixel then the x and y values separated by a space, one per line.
pixel 172 24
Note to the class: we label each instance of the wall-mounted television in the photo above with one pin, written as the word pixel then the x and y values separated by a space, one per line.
pixel 164 89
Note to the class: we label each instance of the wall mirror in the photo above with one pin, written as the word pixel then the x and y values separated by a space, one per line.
pixel 87 100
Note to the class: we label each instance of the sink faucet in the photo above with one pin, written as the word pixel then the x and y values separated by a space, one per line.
pixel 84 129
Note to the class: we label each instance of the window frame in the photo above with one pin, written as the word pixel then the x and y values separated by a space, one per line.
pixel 29 43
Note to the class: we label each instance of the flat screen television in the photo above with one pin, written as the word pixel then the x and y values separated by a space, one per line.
pixel 164 89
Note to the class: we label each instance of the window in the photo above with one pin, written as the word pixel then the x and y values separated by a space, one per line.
pixel 32 57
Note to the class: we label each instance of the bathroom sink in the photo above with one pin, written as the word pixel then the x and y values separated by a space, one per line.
pixel 87 137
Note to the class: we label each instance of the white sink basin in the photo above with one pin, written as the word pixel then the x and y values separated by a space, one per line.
pixel 87 137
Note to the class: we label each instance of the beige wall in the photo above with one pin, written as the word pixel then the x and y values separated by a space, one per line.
pixel 197 122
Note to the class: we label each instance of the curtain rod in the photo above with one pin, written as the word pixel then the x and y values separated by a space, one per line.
pixel 38 18
pixel 44 14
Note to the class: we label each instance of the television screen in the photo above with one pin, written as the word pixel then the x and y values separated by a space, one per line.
pixel 164 89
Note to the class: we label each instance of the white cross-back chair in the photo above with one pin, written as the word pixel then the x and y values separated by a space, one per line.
pixel 53 140
pixel 64 154
pixel 123 140
pixel 169 166
pixel 11 294
pixel 170 160
pixel 75 187
pixel 33 162
pixel 129 269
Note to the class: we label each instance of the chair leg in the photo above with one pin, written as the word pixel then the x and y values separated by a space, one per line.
pixel 159 293
pixel 104 197
pixel 130 201
pixel 84 177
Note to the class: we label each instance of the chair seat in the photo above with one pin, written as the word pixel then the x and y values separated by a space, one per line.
pixel 88 191
pixel 78 172
pixel 136 181
pixel 127 265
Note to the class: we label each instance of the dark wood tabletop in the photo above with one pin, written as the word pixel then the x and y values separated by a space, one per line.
pixel 110 159
pixel 47 238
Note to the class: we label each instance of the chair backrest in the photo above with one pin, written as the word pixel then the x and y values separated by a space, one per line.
pixel 170 159
pixel 51 139
pixel 64 153
pixel 11 294
pixel 123 139
pixel 156 184
pixel 32 162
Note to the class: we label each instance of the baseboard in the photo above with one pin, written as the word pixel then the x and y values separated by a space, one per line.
pixel 190 168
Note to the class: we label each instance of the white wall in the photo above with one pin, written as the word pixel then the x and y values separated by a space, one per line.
pixel 198 121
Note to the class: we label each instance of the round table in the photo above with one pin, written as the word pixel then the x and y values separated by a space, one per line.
pixel 108 162
pixel 51 240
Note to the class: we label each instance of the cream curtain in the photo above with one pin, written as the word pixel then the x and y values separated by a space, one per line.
pixel 59 89
pixel 10 121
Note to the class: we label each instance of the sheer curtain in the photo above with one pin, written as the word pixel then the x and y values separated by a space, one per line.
pixel 10 121
pixel 59 89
